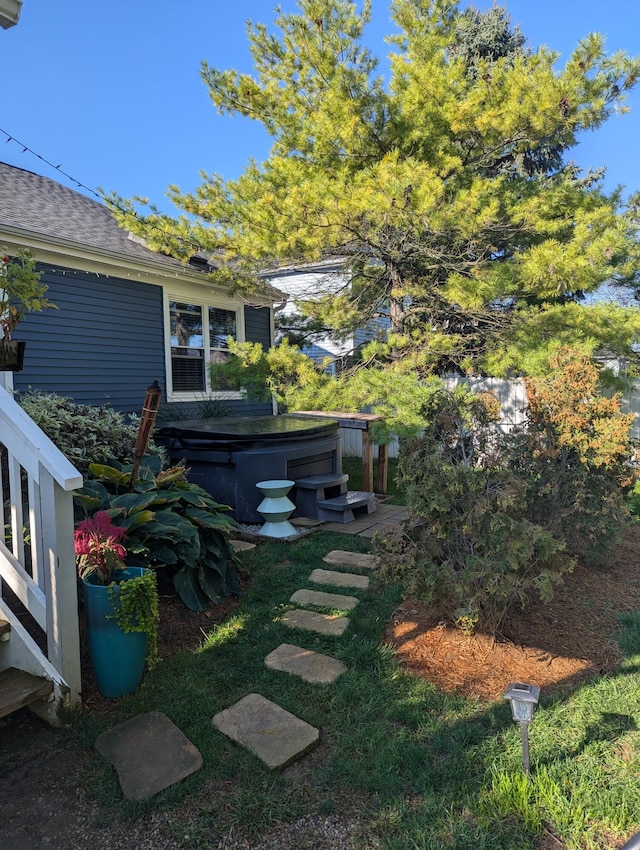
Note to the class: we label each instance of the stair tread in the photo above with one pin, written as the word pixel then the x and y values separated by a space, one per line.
pixel 18 689
pixel 315 481
pixel 352 499
pixel 5 627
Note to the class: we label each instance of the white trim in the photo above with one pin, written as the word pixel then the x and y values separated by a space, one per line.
pixel 152 269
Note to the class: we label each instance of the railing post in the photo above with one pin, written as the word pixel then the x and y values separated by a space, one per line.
pixel 63 636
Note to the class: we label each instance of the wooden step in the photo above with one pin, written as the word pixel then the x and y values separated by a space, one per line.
pixel 18 689
pixel 345 508
pixel 5 629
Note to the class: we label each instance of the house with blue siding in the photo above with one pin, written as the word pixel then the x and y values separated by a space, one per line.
pixel 126 315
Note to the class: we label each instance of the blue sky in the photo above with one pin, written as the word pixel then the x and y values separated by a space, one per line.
pixel 112 91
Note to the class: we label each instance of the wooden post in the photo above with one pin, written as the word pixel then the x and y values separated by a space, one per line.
pixel 367 462
pixel 383 469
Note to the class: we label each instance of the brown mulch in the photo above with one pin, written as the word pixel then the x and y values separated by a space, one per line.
pixel 554 644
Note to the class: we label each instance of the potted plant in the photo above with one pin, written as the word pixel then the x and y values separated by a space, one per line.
pixel 21 291
pixel 121 606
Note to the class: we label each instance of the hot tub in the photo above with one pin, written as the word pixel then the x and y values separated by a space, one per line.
pixel 229 456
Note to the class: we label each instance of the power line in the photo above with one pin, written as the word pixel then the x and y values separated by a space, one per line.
pixel 95 193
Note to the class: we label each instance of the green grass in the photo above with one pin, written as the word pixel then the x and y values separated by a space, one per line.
pixel 421 768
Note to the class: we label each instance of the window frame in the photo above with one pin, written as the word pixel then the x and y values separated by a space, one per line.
pixel 204 300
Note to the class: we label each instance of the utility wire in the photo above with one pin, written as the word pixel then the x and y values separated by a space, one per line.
pixel 95 193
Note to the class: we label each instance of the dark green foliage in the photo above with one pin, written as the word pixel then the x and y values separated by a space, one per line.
pixel 169 523
pixel 468 547
pixel 494 517
pixel 85 434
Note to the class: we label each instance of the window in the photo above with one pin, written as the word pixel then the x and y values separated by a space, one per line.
pixel 196 343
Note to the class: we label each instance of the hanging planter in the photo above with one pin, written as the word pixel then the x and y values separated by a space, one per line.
pixel 21 291
pixel 11 355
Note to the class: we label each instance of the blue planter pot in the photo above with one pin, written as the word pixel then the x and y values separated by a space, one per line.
pixel 118 657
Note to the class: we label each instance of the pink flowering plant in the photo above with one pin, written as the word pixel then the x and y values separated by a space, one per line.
pixel 100 553
pixel 99 549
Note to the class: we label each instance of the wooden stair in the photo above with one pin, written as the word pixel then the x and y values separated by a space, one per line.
pixel 19 689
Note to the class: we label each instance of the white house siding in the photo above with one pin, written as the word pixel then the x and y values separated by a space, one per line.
pixel 306 283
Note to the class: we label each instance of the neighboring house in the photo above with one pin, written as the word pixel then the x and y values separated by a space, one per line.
pixel 309 282
pixel 126 316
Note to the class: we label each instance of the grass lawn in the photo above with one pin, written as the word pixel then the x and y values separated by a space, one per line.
pixel 419 768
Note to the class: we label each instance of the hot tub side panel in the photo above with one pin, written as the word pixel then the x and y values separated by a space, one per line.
pixel 231 476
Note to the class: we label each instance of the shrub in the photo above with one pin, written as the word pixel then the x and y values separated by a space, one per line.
pixel 169 523
pixel 495 518
pixel 467 547
pixel 574 454
pixel 83 433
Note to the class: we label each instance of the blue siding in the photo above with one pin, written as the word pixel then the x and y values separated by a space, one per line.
pixel 257 325
pixel 104 345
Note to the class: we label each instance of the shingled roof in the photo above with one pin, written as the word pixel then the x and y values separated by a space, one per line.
pixel 46 208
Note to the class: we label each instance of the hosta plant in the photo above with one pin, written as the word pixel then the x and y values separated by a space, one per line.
pixel 170 523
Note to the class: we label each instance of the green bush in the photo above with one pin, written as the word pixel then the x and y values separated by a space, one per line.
pixel 169 523
pixel 468 547
pixel 494 518
pixel 83 433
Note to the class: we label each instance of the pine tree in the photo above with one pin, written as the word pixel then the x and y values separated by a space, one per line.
pixel 447 190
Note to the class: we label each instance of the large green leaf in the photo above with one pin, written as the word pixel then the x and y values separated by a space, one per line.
pixel 165 555
pixel 211 582
pixel 137 520
pixel 109 473
pixel 90 504
pixel 188 587
pixel 193 498
pixel 133 501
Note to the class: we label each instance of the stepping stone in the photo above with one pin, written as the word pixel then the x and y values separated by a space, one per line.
pixel 241 545
pixel 149 753
pixel 311 621
pixel 274 735
pixel 339 579
pixel 324 600
pixel 310 666
pixel 354 560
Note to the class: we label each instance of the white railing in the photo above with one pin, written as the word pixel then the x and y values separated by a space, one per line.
pixel 36 554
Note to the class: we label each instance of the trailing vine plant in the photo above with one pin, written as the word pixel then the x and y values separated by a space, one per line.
pixel 135 604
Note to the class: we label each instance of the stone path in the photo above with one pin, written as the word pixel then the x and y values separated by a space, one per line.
pixel 310 666
pixel 150 753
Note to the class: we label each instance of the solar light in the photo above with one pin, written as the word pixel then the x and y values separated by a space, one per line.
pixel 523 699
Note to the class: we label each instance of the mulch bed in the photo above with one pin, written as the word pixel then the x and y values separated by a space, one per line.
pixel 554 644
